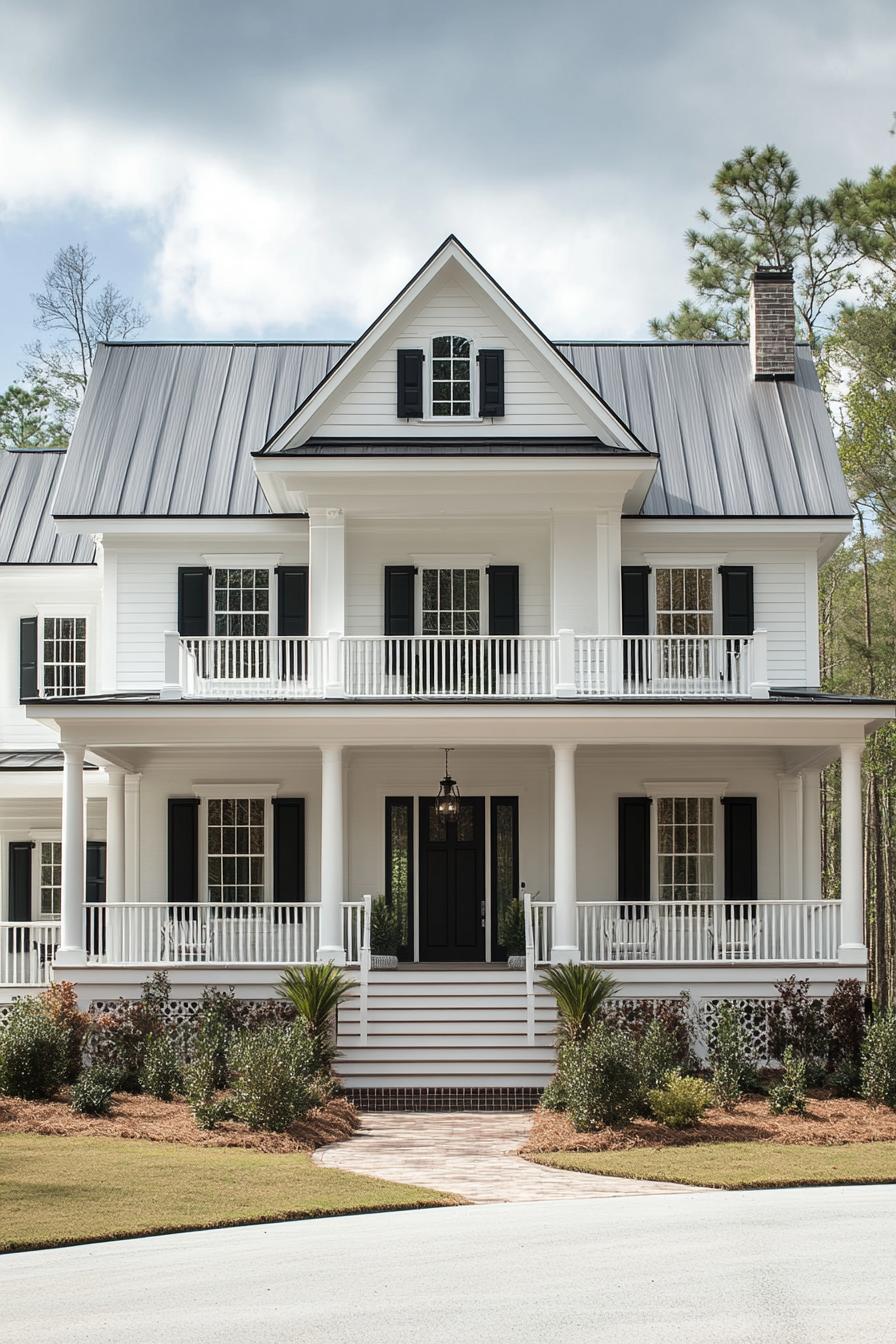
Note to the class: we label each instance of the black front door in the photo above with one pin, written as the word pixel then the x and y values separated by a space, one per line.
pixel 452 882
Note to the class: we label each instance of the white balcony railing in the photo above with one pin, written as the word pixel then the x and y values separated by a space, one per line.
pixel 26 953
pixel 486 667
pixel 673 932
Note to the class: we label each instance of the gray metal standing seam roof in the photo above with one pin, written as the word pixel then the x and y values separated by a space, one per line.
pixel 168 430
pixel 28 534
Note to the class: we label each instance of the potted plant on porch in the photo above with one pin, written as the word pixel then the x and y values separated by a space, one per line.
pixel 385 935
pixel 512 933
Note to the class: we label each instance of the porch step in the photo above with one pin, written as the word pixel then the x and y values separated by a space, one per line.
pixel 446 1027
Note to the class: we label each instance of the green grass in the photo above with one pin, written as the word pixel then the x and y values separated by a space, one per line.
pixel 742 1166
pixel 58 1191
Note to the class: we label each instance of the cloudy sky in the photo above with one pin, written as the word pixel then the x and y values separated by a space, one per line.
pixel 275 168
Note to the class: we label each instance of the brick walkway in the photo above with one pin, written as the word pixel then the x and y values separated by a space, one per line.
pixel 469 1155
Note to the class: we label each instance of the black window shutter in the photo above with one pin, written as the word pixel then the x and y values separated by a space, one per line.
pixel 20 852
pixel 504 599
pixel 96 872
pixel 19 911
pixel 289 850
pixel 95 894
pixel 292 599
pixel 634 852
pixel 737 599
pixel 183 850
pixel 410 384
pixel 192 600
pixel 741 857
pixel 635 600
pixel 28 658
pixel 398 603
pixel 491 382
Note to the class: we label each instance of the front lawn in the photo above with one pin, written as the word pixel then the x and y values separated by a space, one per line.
pixel 741 1166
pixel 58 1191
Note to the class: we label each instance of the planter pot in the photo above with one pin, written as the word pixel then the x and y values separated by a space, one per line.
pixel 516 963
pixel 381 961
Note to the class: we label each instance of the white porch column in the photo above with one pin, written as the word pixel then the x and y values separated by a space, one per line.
pixel 566 939
pixel 811 835
pixel 74 859
pixel 852 919
pixel 132 838
pixel 114 859
pixel 790 837
pixel 326 576
pixel 332 880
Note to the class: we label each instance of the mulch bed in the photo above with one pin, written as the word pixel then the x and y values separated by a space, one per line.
pixel 828 1120
pixel 143 1117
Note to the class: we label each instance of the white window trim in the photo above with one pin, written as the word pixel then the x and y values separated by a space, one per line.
pixel 474 418
pixel 267 792
pixel 437 561
pixel 714 789
pixel 687 563
pixel 63 610
pixel 36 836
pixel 268 562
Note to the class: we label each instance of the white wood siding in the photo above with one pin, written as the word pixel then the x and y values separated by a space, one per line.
pixel 146 595
pixel 532 404
pixel 66 590
pixel 369 548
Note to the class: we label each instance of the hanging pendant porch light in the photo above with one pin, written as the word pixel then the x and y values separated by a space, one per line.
pixel 448 799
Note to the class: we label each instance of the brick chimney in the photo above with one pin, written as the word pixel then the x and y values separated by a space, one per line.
pixel 772 324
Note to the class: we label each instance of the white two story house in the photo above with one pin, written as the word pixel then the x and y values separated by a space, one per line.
pixel 270 584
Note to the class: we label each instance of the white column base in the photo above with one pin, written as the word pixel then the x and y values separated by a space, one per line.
pixel 563 955
pixel 852 954
pixel 336 955
pixel 69 956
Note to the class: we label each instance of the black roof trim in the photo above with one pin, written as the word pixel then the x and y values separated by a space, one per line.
pixel 457 445
pixel 452 238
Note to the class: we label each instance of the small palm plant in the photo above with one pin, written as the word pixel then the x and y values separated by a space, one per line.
pixel 580 993
pixel 316 991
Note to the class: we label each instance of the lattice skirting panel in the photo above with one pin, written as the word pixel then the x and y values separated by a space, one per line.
pixel 443 1098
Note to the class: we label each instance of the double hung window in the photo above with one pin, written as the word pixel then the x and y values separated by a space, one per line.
pixel 236 850
pixel 451 376
pixel 64 655
pixel 685 849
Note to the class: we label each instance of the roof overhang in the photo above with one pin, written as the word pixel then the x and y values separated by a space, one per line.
pixel 488 486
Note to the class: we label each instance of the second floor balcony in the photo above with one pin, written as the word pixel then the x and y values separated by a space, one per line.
pixel 467 667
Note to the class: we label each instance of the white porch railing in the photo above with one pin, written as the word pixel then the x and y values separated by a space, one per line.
pixel 253 667
pixel 629 666
pixel 462 666
pixel 157 933
pixel 26 953
pixel 673 932
pixel 486 667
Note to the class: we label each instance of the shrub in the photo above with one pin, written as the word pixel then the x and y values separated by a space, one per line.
pixel 676 1015
pixel 385 928
pixel 209 1114
pixel 679 1101
pixel 160 1074
pixel 658 1055
pixel 512 928
pixel 220 1016
pixel 34 1052
pixel 580 992
pixel 92 1093
pixel 316 992
pixel 60 1003
pixel 878 1073
pixel 119 1038
pixel 553 1098
pixel 798 1021
pixel 601 1078
pixel 731 1057
pixel 844 1015
pixel 272 1070
pixel 788 1097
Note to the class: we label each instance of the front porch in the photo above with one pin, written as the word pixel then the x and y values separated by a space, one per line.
pixel 626 853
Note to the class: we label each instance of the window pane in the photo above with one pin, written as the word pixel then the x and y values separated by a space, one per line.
pixel 461 345
pixel 441 345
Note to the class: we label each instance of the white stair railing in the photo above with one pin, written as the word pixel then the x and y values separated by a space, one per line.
pixel 530 967
pixel 367 901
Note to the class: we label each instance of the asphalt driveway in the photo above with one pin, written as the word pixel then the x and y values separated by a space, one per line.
pixel 760 1267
